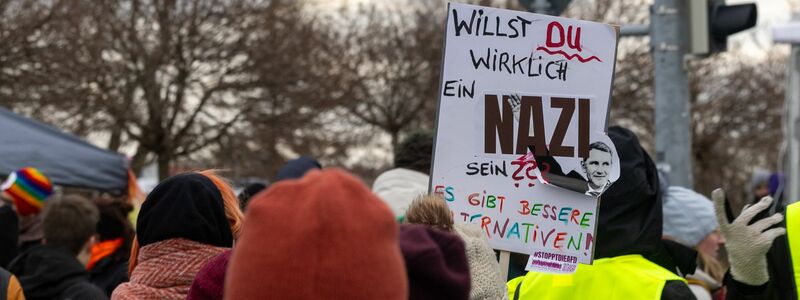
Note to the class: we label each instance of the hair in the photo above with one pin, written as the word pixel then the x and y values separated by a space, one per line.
pixel 712 266
pixel 430 210
pixel 248 192
pixel 69 221
pixel 415 151
pixel 114 222
pixel 598 146
pixel 232 211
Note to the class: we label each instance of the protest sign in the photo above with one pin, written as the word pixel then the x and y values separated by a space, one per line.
pixel 522 114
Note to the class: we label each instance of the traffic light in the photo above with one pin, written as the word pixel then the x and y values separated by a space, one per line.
pixel 711 23
pixel 550 7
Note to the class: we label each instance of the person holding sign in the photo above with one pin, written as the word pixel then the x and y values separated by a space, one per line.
pixel 629 230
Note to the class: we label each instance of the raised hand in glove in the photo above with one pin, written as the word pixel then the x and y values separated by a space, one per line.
pixel 748 244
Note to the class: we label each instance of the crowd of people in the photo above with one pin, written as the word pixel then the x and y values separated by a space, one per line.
pixel 321 233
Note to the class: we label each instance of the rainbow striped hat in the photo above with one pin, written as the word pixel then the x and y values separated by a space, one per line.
pixel 28 187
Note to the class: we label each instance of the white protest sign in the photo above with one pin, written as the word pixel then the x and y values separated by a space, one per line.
pixel 523 102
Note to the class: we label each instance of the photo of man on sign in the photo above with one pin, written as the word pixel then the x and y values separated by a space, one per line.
pixel 598 168
pixel 591 175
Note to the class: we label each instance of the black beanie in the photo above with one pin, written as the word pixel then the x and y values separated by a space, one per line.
pixel 114 221
pixel 185 206
pixel 415 152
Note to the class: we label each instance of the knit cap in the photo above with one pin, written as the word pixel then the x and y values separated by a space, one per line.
pixel 436 261
pixel 28 188
pixel 688 216
pixel 760 177
pixel 324 236
pixel 399 187
pixel 296 168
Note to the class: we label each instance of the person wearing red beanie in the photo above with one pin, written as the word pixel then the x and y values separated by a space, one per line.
pixel 324 236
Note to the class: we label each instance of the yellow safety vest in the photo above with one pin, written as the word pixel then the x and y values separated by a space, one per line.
pixel 793 235
pixel 628 277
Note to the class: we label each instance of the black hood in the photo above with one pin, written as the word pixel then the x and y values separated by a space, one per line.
pixel 44 272
pixel 630 210
pixel 185 206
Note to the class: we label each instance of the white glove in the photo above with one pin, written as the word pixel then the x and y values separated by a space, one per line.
pixel 748 244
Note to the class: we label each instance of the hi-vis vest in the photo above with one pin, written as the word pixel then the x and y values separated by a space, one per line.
pixel 628 277
pixel 793 235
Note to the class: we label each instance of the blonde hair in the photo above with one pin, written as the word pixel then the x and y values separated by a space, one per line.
pixel 430 210
pixel 712 266
pixel 230 202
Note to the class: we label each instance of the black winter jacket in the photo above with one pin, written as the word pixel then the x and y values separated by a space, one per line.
pixel 51 273
pixel 9 235
pixel 110 272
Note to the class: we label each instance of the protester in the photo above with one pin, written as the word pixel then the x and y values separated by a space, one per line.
pixel 9 231
pixel 689 219
pixel 628 230
pixel 248 192
pixel 759 185
pixel 436 263
pixel 184 222
pixel 28 189
pixel 760 256
pixel 485 279
pixel 409 178
pixel 108 263
pixel 296 168
pixel 776 187
pixel 325 236
pixel 9 286
pixel 57 269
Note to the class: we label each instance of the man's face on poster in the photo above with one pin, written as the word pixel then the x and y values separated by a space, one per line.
pixel 597 167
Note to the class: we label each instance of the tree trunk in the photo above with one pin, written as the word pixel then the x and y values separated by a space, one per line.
pixel 138 160
pixel 164 161
pixel 395 134
pixel 116 139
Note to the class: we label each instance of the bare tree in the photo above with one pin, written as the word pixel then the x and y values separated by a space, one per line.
pixel 737 113
pixel 169 77
pixel 392 57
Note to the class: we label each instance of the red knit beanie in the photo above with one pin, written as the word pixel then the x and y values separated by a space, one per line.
pixel 325 236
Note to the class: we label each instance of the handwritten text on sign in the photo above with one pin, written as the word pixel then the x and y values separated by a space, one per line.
pixel 514 86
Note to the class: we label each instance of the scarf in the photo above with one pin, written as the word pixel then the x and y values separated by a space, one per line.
pixel 165 269
pixel 102 250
